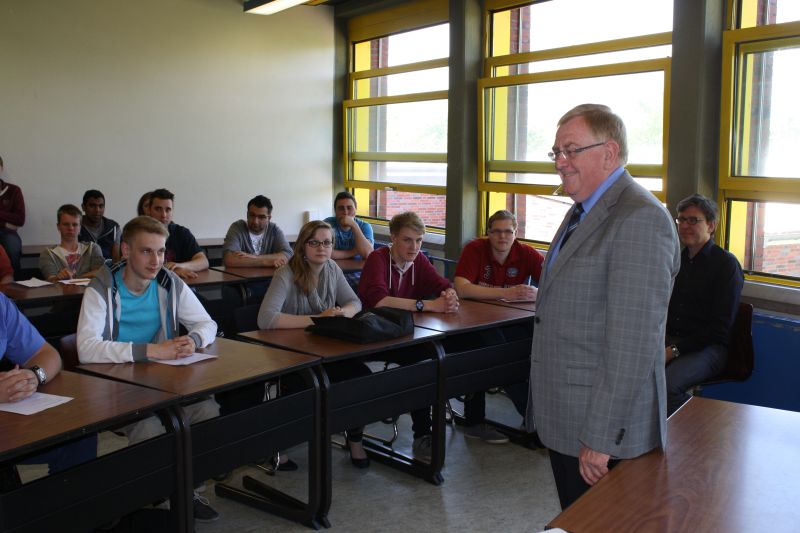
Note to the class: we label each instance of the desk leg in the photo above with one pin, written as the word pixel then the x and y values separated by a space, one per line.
pixel 276 502
pixel 429 471
pixel 326 469
pixel 174 420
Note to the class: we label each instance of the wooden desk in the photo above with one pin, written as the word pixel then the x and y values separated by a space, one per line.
pixel 525 306
pixel 351 265
pixel 101 490
pixel 248 273
pixel 213 276
pixel 362 400
pixel 486 346
pixel 31 297
pixel 224 443
pixel 727 467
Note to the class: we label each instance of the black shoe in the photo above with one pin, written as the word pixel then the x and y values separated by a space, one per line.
pixel 360 463
pixel 288 466
pixel 203 512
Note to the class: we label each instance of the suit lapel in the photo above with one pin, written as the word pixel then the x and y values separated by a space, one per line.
pixel 590 223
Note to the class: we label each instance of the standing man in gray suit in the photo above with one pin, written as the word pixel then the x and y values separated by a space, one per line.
pixel 597 362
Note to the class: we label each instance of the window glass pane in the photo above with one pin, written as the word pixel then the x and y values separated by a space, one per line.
pixel 408 127
pixel 608 58
pixel 525 177
pixel 767 131
pixel 385 204
pixel 765 236
pixel 763 12
pixel 403 48
pixel 401 172
pixel 538 217
pixel 547 25
pixel 419 81
pixel 523 118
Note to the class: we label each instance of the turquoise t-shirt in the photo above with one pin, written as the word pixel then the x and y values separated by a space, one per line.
pixel 140 318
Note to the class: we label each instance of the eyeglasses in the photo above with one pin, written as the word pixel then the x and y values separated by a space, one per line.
pixel 314 243
pixel 689 220
pixel 570 153
pixel 503 232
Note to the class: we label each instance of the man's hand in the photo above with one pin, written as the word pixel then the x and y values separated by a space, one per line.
pixel 279 262
pixel 239 253
pixel 17 384
pixel 345 221
pixel 64 273
pixel 592 465
pixel 447 302
pixel 183 273
pixel 176 348
pixel 521 292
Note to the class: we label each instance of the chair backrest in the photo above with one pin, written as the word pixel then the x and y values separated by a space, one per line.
pixel 245 318
pixel 69 351
pixel 740 349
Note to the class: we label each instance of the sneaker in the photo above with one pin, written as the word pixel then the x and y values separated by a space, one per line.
pixel 422 448
pixel 486 434
pixel 203 512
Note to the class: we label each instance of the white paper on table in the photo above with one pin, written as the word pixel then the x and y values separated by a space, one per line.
pixel 36 402
pixel 194 358
pixel 512 301
pixel 34 282
pixel 75 281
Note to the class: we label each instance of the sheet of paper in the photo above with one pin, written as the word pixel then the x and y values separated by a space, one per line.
pixel 36 402
pixel 76 281
pixel 511 301
pixel 194 358
pixel 34 282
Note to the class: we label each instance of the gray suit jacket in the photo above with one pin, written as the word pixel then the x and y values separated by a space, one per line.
pixel 597 362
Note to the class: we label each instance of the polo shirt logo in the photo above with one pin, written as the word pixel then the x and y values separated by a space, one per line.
pixel 512 272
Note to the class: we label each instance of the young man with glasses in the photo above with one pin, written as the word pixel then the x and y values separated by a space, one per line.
pixel 704 302
pixel 499 267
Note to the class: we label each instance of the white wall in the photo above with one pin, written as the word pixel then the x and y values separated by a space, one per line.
pixel 191 95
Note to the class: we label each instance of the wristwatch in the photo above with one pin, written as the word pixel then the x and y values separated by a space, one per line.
pixel 420 306
pixel 675 351
pixel 41 375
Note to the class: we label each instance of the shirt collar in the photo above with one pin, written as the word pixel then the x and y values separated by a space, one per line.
pixel 609 181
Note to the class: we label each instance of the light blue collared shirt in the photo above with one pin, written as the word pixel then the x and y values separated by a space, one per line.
pixel 587 204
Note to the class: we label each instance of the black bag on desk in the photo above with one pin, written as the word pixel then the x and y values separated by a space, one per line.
pixel 369 325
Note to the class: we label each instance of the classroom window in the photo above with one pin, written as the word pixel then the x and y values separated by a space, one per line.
pixel 396 118
pixel 760 130
pixel 535 72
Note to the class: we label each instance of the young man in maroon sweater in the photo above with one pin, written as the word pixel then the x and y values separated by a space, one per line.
pixel 399 276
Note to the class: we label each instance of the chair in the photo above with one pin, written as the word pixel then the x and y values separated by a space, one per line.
pixel 69 351
pixel 741 358
pixel 245 318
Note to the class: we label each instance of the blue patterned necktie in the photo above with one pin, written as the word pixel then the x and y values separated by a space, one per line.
pixel 574 220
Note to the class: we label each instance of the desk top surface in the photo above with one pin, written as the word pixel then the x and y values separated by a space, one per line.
pixel 728 467
pixel 471 315
pixel 250 273
pixel 331 349
pixel 212 277
pixel 261 273
pixel 525 306
pixel 239 363
pixel 32 295
pixel 96 403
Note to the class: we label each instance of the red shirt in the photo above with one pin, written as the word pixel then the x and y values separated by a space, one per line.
pixel 478 265
pixel 5 263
